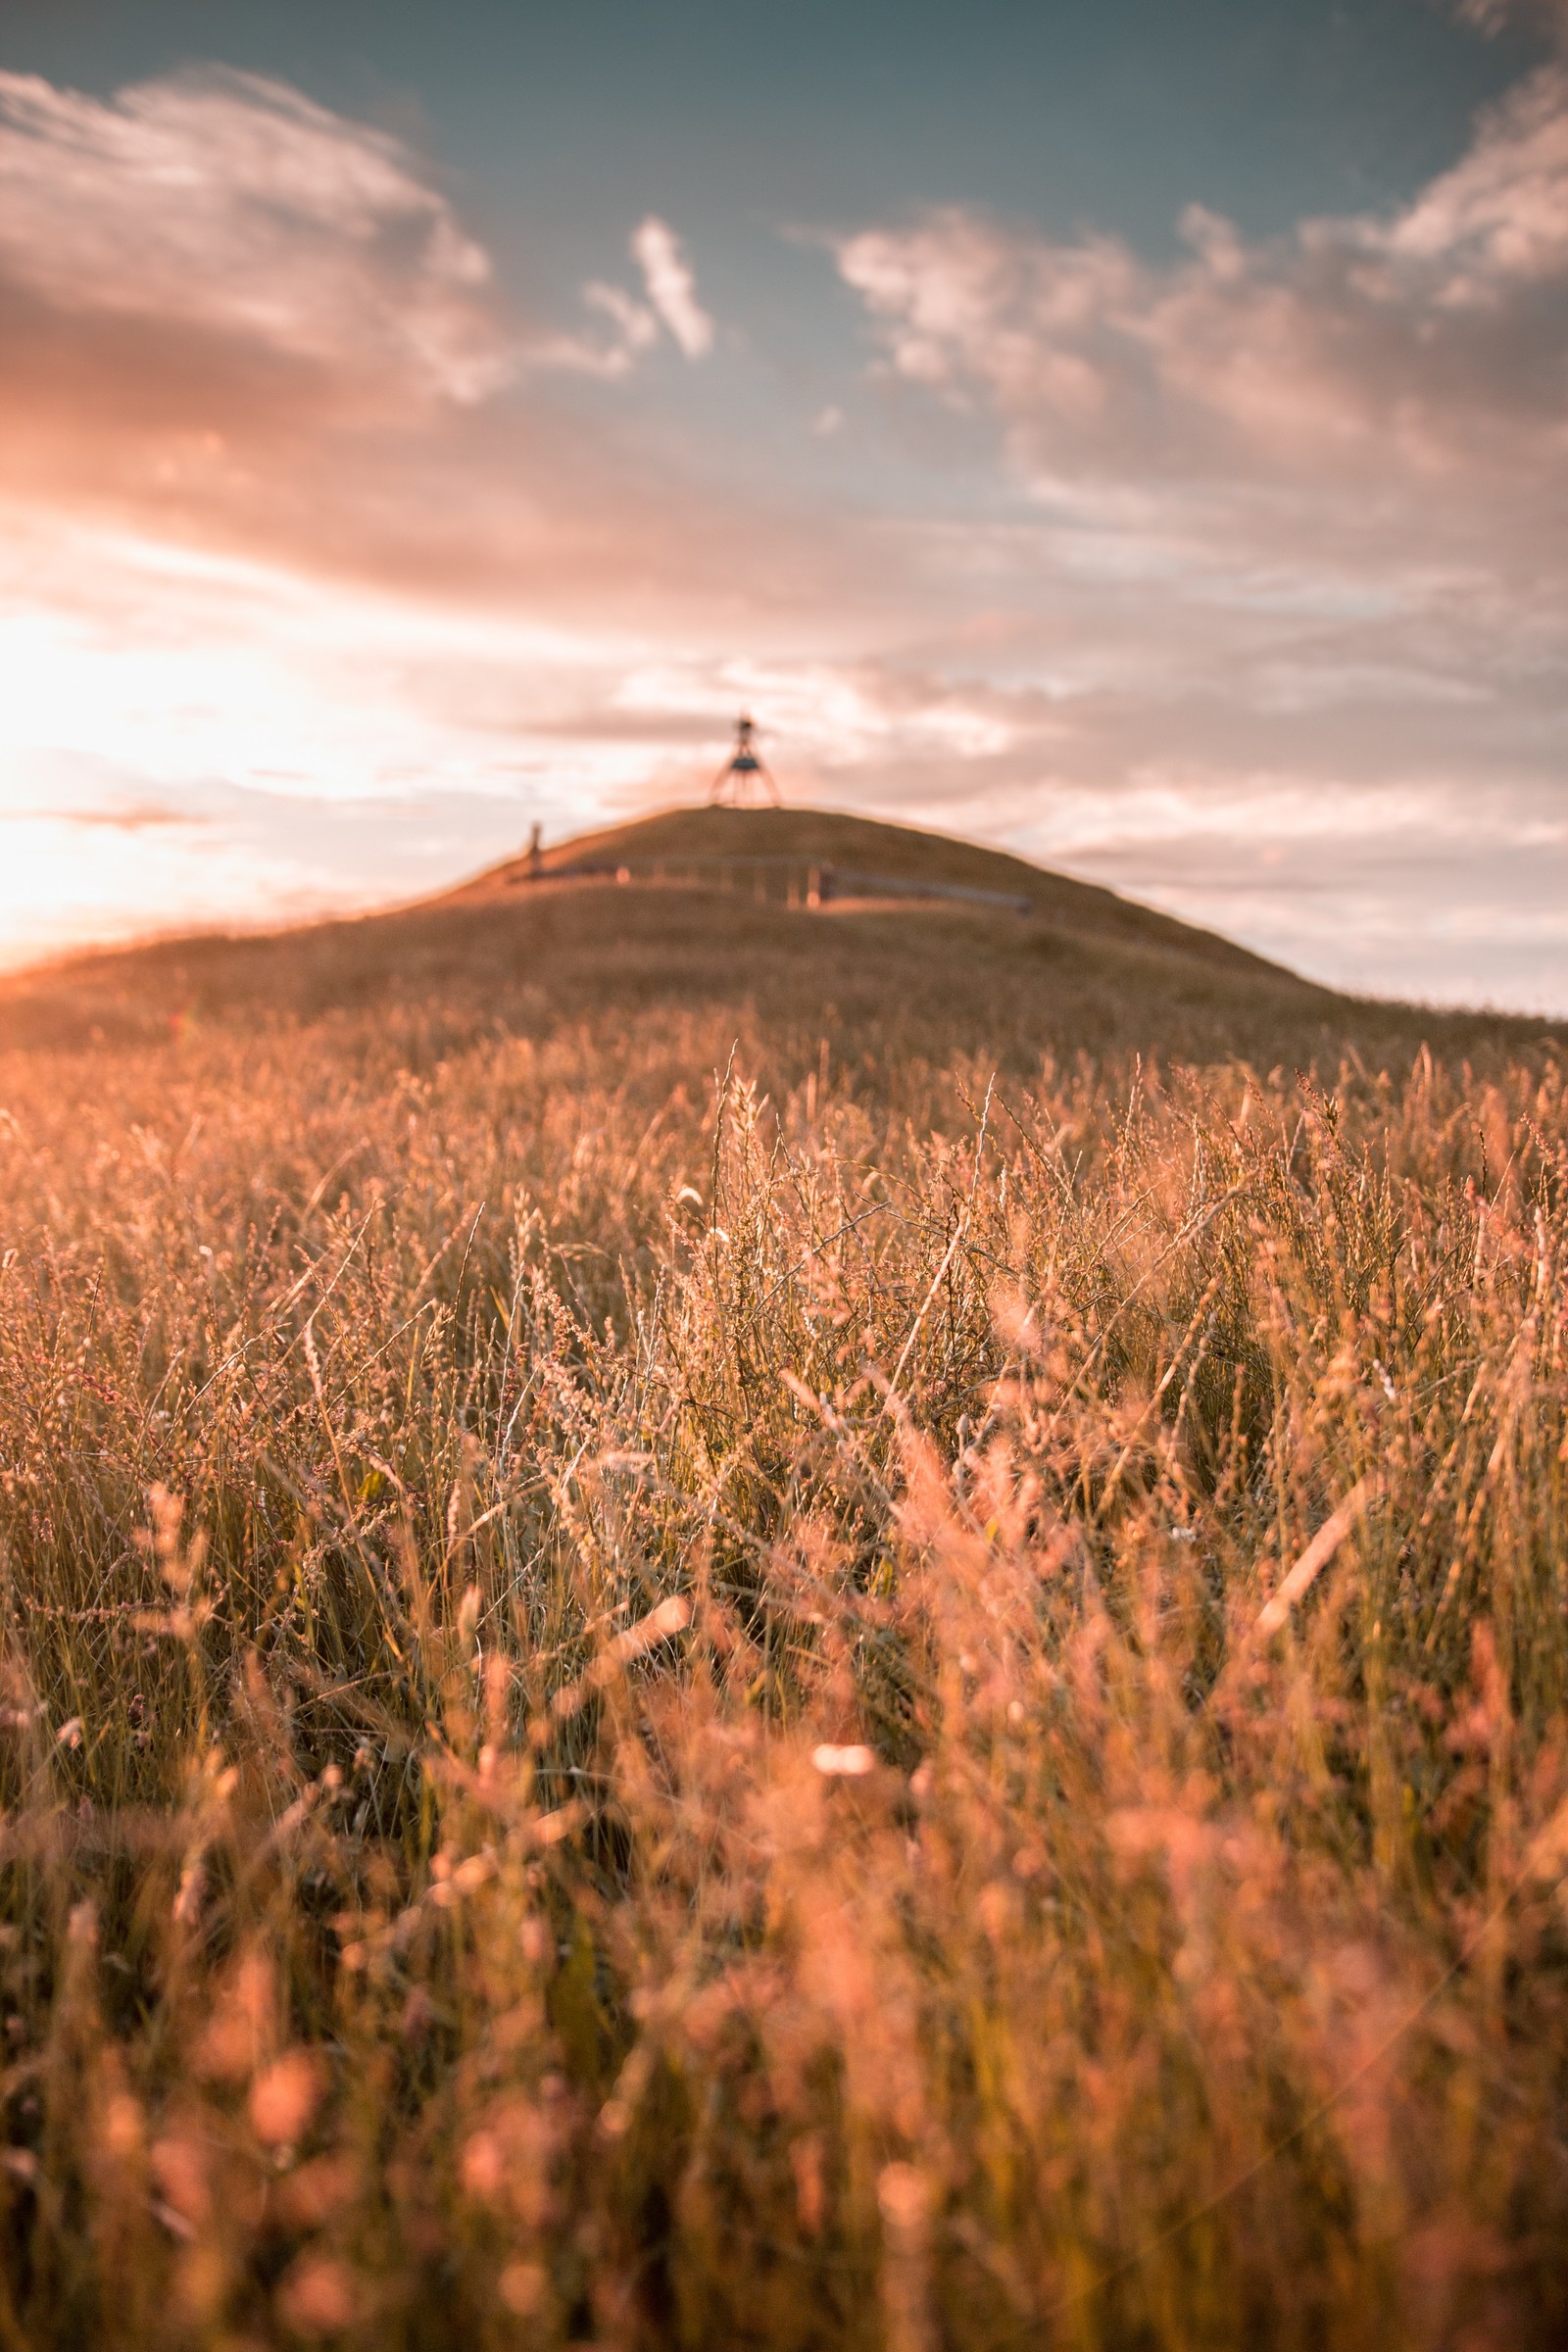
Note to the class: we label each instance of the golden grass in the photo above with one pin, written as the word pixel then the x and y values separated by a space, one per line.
pixel 638 1699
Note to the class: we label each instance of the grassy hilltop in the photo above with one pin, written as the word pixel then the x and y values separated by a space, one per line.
pixel 730 1623
pixel 716 925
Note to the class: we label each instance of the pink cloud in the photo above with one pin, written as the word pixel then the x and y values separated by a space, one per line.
pixel 1501 216
pixel 236 319
pixel 1425 346
pixel 224 211
pixel 231 205
pixel 671 289
pixel 672 286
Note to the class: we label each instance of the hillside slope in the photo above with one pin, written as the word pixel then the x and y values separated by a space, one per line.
pixel 772 846
pixel 713 918
pixel 675 1674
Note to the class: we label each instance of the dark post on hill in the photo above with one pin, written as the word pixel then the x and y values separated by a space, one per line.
pixel 744 776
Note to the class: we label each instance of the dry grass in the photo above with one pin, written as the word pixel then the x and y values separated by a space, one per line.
pixel 635 1710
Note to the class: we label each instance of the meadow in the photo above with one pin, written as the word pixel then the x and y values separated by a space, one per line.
pixel 724 1628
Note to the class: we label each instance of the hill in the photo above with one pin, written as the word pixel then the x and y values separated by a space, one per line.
pixel 768 853
pixel 712 916
pixel 726 1622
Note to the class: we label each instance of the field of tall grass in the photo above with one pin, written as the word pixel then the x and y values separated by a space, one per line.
pixel 661 1686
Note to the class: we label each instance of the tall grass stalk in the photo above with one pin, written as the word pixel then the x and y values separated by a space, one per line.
pixel 644 1711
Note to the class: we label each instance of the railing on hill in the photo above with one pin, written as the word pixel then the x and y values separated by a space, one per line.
pixel 822 882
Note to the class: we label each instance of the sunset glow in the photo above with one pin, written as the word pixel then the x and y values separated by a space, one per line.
pixel 376 481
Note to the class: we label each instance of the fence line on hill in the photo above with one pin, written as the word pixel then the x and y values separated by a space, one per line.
pixel 824 881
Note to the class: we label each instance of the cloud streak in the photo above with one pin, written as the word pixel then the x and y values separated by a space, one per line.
pixel 139 816
pixel 672 286
pixel 671 289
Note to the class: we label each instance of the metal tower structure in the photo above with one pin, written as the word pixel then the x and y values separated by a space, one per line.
pixel 744 778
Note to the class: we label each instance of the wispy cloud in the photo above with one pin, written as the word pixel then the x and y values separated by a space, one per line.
pixel 1492 17
pixel 672 286
pixel 236 320
pixel 135 816
pixel 1417 356
pixel 243 228
pixel 227 203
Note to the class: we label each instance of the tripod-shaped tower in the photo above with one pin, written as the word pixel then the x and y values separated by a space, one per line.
pixel 744 775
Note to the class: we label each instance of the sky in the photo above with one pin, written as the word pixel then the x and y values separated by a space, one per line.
pixel 1136 436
